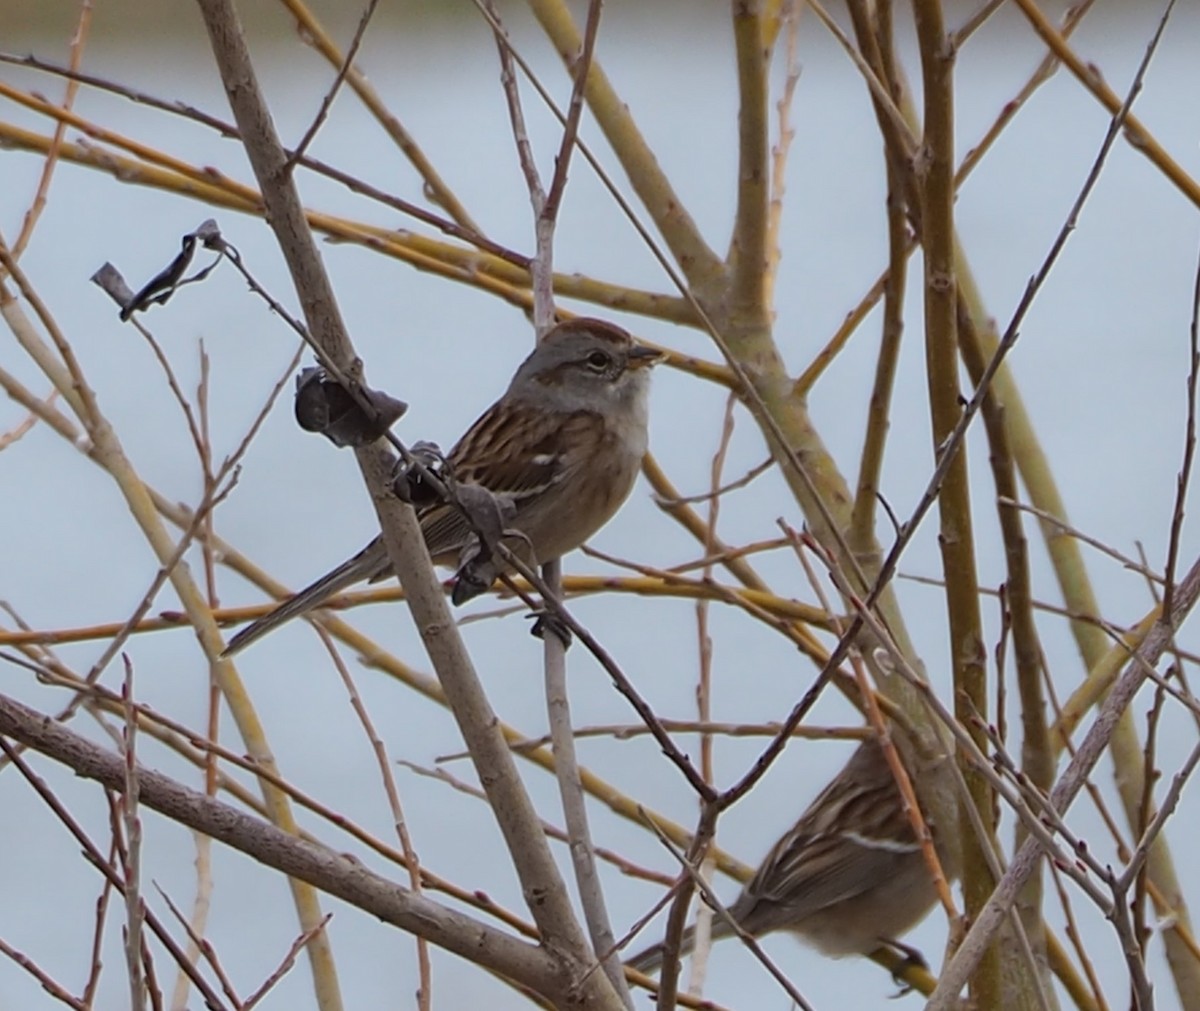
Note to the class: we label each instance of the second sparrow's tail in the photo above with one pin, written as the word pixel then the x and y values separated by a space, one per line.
pixel 651 958
pixel 370 563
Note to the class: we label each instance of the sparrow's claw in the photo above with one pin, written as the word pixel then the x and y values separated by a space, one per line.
pixel 547 621
pixel 913 959
pixel 409 484
pixel 474 578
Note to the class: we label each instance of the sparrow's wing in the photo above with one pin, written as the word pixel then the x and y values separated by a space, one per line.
pixel 517 455
pixel 823 871
pixel 853 838
pixel 513 452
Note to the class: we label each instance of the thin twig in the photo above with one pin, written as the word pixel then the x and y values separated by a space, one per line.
pixel 1189 447
pixel 203 947
pixel 78 43
pixel 116 776
pixel 715 493
pixel 1170 802
pixel 748 940
pixel 1060 524
pixel 327 102
pixel 134 916
pixel 624 865
pixel 48 982
pixel 955 973
pixel 93 982
pixel 286 963
pixel 425 976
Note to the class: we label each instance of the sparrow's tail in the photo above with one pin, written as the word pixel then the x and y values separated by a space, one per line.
pixel 370 563
pixel 651 958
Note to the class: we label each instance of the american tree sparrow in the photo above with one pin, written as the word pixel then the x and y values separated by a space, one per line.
pixel 848 878
pixel 559 450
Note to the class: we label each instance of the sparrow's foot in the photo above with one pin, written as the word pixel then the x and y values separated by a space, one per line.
pixel 409 483
pixel 470 581
pixel 913 959
pixel 546 621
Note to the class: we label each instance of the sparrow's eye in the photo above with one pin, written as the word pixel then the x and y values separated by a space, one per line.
pixel 598 361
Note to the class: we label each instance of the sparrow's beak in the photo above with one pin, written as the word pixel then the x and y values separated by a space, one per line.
pixel 641 357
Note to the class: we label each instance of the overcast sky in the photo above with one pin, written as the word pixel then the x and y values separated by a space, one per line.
pixel 1101 363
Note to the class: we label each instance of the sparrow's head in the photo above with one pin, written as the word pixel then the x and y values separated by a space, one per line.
pixel 585 364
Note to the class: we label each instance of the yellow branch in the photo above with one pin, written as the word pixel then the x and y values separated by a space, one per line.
pixel 1140 139
pixel 482 270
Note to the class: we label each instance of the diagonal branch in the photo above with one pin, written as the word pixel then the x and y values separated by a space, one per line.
pixel 331 872
pixel 1073 779
pixel 541 882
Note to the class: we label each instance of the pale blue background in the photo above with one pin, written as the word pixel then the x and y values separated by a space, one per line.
pixel 1102 362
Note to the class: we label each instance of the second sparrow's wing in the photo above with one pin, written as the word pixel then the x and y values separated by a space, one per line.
pixel 853 838
pixel 518 455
